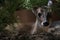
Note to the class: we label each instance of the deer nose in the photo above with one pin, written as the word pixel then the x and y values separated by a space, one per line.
pixel 45 23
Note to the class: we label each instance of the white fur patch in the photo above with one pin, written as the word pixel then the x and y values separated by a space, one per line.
pixel 43 22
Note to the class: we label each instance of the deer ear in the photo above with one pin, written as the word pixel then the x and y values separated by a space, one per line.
pixel 34 10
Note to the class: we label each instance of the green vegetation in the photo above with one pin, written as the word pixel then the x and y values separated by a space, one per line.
pixel 7 10
pixel 32 3
pixel 39 2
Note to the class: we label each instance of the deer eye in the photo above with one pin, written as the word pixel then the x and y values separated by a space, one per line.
pixel 39 14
